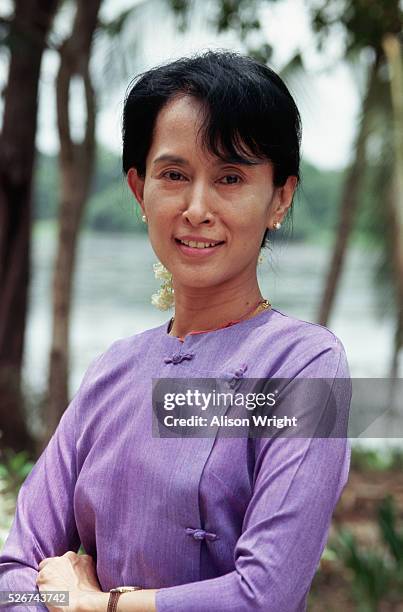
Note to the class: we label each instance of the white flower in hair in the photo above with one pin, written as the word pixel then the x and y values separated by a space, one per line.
pixel 164 299
pixel 161 272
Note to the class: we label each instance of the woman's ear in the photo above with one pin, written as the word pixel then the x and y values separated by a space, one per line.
pixel 136 184
pixel 282 200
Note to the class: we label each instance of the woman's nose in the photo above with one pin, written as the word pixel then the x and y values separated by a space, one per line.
pixel 198 204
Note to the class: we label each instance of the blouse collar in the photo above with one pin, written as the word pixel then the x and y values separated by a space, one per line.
pixel 245 325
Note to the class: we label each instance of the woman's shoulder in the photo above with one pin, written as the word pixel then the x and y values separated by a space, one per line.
pixel 301 342
pixel 123 353
pixel 128 343
pixel 292 327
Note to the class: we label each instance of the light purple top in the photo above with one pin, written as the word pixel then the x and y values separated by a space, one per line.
pixel 216 524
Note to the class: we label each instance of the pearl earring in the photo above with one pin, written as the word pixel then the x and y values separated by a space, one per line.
pixel 277 226
pixel 144 219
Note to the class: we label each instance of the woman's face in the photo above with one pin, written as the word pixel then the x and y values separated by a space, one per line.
pixel 189 195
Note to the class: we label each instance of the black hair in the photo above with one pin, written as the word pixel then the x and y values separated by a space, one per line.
pixel 248 111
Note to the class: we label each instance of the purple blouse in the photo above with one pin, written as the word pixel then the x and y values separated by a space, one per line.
pixel 215 524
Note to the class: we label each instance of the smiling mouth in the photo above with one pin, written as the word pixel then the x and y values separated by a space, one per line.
pixel 199 245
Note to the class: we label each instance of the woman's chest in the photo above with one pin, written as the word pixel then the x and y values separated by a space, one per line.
pixel 145 504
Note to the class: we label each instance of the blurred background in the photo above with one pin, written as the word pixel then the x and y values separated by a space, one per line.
pixel 76 266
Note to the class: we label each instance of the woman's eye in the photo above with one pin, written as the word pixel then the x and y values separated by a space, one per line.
pixel 174 176
pixel 229 179
pixel 233 179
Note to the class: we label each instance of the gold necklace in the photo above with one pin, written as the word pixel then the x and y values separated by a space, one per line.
pixel 263 304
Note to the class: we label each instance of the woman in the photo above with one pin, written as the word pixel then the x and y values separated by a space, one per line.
pixel 213 523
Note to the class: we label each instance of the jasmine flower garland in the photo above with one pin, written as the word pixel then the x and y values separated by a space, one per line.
pixel 164 299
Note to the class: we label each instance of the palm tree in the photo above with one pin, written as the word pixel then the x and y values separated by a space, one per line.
pixel 368 26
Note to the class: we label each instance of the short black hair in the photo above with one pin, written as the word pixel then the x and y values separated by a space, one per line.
pixel 248 111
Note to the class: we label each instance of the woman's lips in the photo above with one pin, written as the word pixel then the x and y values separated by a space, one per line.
pixel 195 252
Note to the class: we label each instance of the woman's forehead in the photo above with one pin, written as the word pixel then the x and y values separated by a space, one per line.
pixel 179 130
pixel 180 115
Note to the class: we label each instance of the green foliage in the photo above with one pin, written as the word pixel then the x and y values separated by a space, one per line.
pixel 376 574
pixel 363 459
pixel 113 210
pixel 371 578
pixel 108 170
pixel 365 22
pixel 320 193
pixel 180 9
pixel 393 539
pixel 14 468
pixel 261 53
pixel 46 180
pixel 115 27
pixel 239 16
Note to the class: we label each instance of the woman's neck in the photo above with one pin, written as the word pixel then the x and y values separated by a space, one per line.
pixel 202 311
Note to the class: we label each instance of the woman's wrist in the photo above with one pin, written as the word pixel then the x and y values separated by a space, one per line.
pixel 93 601
pixel 133 601
pixel 137 601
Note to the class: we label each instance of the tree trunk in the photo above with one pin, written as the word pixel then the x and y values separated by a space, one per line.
pixel 349 201
pixel 28 34
pixel 392 50
pixel 76 171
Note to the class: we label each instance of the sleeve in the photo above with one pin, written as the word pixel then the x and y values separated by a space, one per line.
pixel 297 484
pixel 44 523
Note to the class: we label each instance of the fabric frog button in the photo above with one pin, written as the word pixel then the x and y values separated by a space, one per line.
pixel 235 378
pixel 178 357
pixel 201 534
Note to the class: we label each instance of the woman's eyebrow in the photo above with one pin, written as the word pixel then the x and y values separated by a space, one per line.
pixel 176 159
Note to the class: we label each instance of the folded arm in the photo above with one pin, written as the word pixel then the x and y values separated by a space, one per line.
pixel 44 523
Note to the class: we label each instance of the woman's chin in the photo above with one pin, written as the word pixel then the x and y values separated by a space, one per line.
pixel 197 280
